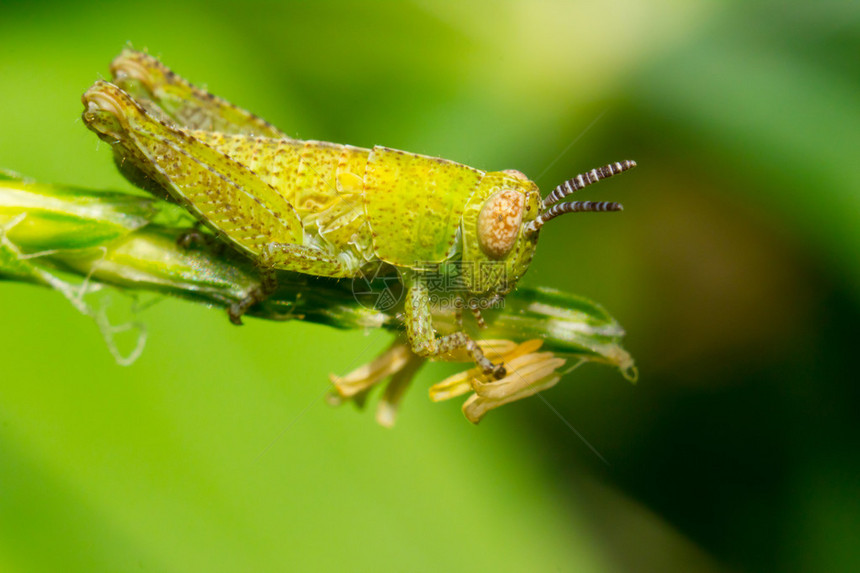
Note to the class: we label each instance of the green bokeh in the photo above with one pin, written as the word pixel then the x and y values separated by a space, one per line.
pixel 734 268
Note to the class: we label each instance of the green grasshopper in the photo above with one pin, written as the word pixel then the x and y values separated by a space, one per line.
pixel 326 209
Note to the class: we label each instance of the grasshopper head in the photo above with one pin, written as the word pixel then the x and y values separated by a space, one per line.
pixel 496 251
pixel 502 221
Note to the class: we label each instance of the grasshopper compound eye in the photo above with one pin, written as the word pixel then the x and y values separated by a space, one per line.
pixel 499 222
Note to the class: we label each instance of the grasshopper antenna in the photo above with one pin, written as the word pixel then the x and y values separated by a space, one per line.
pixel 570 207
pixel 586 179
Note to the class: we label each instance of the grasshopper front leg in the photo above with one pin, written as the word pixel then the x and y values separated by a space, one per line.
pixel 422 336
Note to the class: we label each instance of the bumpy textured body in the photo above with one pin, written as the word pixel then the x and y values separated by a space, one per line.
pixel 354 206
pixel 322 208
pixel 370 204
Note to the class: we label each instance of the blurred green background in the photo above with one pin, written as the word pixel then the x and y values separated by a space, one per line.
pixel 735 269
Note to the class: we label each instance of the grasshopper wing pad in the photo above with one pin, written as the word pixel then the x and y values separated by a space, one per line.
pixel 341 220
pixel 414 204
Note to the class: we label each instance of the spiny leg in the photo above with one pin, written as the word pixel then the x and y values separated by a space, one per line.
pixel 479 318
pixel 422 336
pixel 451 342
pixel 221 193
pixel 224 195
pixel 165 93
pixel 459 305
